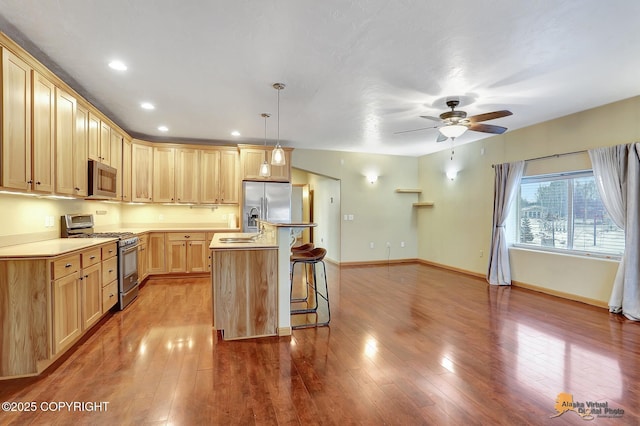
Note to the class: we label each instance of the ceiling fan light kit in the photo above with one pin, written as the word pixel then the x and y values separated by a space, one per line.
pixel 454 123
pixel 453 130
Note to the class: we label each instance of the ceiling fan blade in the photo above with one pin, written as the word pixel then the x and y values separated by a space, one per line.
pixel 489 116
pixel 428 117
pixel 487 128
pixel 415 130
pixel 441 137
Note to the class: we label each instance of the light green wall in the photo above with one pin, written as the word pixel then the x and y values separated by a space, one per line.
pixel 458 227
pixel 380 215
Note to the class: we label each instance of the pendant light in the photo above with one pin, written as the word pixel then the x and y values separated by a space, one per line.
pixel 265 168
pixel 277 156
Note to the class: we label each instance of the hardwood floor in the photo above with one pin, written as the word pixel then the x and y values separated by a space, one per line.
pixel 407 344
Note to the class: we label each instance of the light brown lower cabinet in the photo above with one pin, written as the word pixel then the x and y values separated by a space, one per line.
pixel 245 292
pixel 67 321
pixel 156 255
pixel 47 304
pixel 187 252
pixel 91 291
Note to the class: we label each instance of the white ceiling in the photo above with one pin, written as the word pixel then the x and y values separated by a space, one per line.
pixel 355 71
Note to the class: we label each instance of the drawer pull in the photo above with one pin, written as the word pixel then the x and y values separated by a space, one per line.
pixel 92 257
pixel 68 265
pixel 187 236
pixel 110 270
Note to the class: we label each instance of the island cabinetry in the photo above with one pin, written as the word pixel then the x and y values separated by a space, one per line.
pixel 245 287
pixel 109 286
pixel 186 252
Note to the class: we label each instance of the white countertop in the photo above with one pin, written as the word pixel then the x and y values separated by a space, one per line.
pixel 265 241
pixel 50 248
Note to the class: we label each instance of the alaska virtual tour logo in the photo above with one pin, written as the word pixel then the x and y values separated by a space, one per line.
pixel 588 410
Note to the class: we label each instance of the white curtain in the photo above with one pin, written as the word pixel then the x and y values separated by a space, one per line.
pixel 507 180
pixel 617 173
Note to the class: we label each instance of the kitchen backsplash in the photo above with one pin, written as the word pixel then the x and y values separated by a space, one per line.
pixel 25 219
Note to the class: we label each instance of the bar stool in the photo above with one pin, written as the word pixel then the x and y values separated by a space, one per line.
pixel 311 258
pixel 295 252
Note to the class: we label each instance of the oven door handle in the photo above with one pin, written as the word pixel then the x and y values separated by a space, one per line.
pixel 128 249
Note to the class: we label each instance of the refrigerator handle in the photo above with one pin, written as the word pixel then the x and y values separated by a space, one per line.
pixel 266 208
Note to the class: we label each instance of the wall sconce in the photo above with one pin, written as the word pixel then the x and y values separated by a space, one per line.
pixel 451 174
pixel 371 178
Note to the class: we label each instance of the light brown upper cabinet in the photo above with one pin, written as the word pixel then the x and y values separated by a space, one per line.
pixel 163 174
pixel 43 133
pixel 105 143
pixel 100 140
pixel 94 137
pixel 219 181
pixel 16 109
pixel 126 170
pixel 81 137
pixel 115 158
pixel 252 156
pixel 187 175
pixel 141 172
pixel 70 152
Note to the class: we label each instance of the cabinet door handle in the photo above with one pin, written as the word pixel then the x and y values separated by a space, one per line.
pixel 187 236
pixel 110 270
pixel 68 265
pixel 92 257
pixel 76 188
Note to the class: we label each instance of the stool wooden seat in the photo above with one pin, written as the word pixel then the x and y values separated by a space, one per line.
pixel 311 258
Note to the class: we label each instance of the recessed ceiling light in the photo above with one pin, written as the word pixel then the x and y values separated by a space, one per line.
pixel 118 65
pixel 163 128
pixel 235 133
pixel 147 105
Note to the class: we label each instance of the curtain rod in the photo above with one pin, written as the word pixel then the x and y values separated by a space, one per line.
pixel 551 156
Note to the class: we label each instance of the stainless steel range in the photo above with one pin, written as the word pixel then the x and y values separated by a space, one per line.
pixel 81 226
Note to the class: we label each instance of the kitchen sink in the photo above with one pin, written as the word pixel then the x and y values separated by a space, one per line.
pixel 237 239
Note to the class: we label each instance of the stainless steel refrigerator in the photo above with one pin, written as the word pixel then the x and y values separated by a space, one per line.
pixel 270 201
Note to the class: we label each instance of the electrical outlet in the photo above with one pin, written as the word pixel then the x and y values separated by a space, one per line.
pixel 346 217
pixel 401 243
pixel 350 217
pixel 371 245
pixel 160 217
pixel 481 253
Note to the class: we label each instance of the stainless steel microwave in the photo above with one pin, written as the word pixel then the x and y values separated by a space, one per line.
pixel 102 180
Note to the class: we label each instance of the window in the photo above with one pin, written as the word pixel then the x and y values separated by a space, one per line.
pixel 565 212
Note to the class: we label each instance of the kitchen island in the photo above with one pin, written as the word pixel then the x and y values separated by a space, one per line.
pixel 250 282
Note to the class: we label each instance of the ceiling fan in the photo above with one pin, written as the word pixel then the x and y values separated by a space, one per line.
pixel 455 122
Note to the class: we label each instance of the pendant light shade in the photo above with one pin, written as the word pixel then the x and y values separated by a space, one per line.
pixel 265 168
pixel 277 156
pixel 453 131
